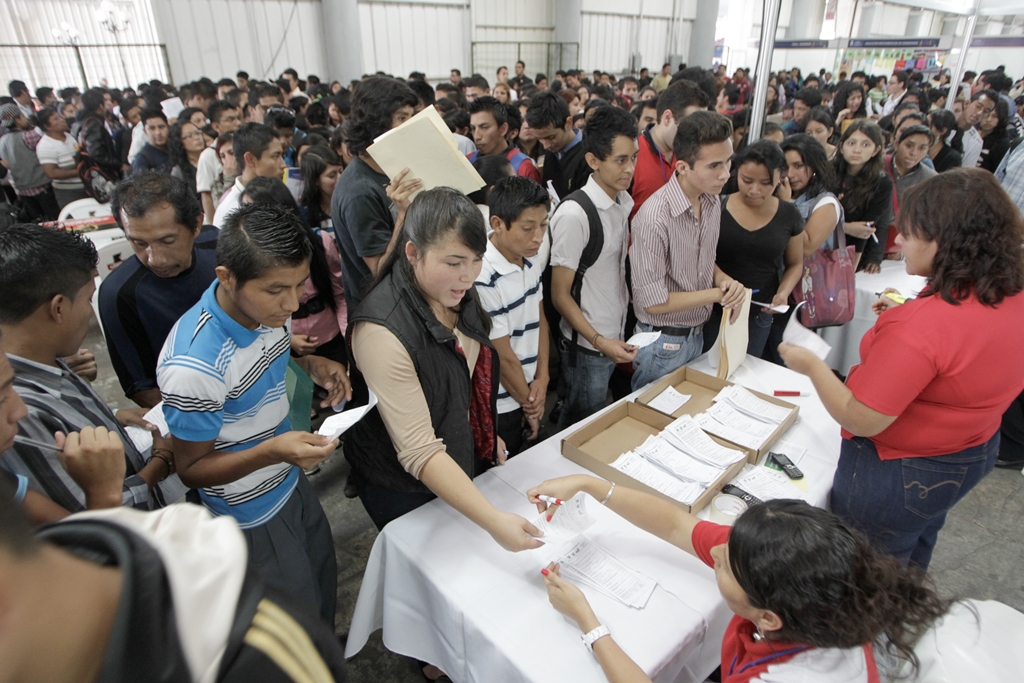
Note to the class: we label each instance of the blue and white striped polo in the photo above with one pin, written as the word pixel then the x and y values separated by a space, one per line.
pixel 224 383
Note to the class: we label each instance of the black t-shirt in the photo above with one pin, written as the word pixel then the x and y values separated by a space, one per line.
pixel 878 210
pixel 754 256
pixel 363 225
pixel 947 158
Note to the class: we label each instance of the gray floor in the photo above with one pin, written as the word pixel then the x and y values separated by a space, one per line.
pixel 980 552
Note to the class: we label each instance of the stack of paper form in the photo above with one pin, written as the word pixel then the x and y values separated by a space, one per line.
pixel 727 423
pixel 752 406
pixel 676 462
pixel 637 467
pixel 685 433
pixel 587 563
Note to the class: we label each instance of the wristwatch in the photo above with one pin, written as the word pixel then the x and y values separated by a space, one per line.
pixel 590 638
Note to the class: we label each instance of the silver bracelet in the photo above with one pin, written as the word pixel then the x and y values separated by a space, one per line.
pixel 609 494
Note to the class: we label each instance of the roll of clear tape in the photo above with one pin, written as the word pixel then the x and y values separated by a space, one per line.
pixel 725 509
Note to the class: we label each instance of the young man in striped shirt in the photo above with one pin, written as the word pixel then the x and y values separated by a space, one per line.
pixel 222 376
pixel 510 289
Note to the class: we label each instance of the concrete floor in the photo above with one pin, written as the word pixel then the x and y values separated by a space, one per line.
pixel 979 555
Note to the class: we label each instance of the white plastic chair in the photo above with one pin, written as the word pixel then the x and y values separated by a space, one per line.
pixel 112 251
pixel 84 208
pixel 965 646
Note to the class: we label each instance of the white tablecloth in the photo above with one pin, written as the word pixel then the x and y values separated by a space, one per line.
pixel 446 593
pixel 845 340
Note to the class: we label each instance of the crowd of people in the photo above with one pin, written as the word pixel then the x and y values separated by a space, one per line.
pixel 479 325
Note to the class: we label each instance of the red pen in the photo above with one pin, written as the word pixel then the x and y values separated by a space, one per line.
pixel 783 392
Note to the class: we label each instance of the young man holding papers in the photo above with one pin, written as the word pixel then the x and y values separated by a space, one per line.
pixel 675 237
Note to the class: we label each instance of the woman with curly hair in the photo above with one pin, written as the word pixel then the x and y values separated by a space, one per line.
pixel 812 600
pixel 921 413
pixel 848 104
pixel 185 143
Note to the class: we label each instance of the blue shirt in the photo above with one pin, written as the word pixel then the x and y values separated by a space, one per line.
pixel 150 158
pixel 575 141
pixel 224 383
pixel 138 309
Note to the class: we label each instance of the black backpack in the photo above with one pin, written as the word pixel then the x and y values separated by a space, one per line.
pixel 591 252
pixel 99 183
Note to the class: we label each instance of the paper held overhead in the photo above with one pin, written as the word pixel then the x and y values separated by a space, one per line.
pixel 425 146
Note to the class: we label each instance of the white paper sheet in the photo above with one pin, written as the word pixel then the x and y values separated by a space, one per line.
pixel 685 433
pixel 143 438
pixel 589 563
pixel 336 425
pixel 567 521
pixel 766 484
pixel 730 417
pixel 669 401
pixel 637 467
pixel 798 335
pixel 171 107
pixel 774 309
pixel 752 406
pixel 642 339
pixel 662 453
pixel 713 426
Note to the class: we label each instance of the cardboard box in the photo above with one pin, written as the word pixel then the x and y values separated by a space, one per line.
pixel 702 388
pixel 599 443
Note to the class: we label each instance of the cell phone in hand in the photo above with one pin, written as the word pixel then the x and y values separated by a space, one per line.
pixel 782 462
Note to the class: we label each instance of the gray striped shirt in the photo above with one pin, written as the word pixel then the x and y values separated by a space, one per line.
pixel 59 400
pixel 673 251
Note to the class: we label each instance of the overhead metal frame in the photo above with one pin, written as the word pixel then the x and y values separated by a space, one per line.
pixel 769 28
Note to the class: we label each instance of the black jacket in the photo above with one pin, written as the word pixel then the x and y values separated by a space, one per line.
pixel 93 136
pixel 569 173
pixel 396 304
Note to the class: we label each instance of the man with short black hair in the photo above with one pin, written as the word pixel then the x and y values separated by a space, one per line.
pixel 56 153
pixel 629 88
pixel 662 80
pixel 18 153
pixel 224 118
pixel 265 97
pixel 92 134
pixel 242 79
pixel 282 120
pixel 455 76
pixel 224 86
pixel 564 160
pixel 19 91
pixel 153 156
pixel 45 96
pixel 982 103
pixel 424 93
pixel 204 92
pixel 222 377
pixel 258 152
pixel 655 162
pixel 897 88
pixel 292 77
pixel 803 102
pixel 520 80
pixel 645 78
pixel 172 265
pixel 360 208
pixel 489 124
pixel 675 239
pixel 47 277
pixel 476 86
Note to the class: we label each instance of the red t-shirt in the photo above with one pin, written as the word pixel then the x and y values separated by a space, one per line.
pixel 948 373
pixel 652 171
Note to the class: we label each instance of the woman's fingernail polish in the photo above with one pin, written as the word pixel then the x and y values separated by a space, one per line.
pixel 545 572
pixel 549 517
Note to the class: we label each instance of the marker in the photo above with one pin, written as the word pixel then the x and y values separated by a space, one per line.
pixel 551 501
pixel 898 298
pixel 785 392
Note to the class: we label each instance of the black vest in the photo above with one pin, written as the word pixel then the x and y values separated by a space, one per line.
pixel 396 304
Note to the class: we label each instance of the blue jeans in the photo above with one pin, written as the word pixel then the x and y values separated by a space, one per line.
pixel 587 386
pixel 901 505
pixel 656 360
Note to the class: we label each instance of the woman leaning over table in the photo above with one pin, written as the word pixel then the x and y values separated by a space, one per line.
pixel 921 413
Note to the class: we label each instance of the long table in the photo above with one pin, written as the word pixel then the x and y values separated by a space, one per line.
pixel 446 593
pixel 845 339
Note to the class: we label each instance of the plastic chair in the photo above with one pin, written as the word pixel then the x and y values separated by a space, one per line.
pixel 976 641
pixel 84 208
pixel 112 252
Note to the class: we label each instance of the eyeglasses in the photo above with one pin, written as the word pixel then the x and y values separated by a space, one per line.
pixel 190 136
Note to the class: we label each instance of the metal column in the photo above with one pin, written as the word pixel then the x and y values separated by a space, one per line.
pixel 342 40
pixel 769 27
pixel 961 62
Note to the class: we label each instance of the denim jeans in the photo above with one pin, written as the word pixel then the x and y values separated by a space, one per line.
pixel 759 324
pixel 587 386
pixel 901 505
pixel 656 360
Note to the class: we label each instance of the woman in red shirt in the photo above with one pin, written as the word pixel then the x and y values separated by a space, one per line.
pixel 810 596
pixel 921 413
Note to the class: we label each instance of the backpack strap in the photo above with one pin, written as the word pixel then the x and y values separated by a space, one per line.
pixel 591 252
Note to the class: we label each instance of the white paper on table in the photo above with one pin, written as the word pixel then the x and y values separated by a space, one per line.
pixel 143 438
pixel 637 467
pixel 752 406
pixel 730 417
pixel 336 425
pixel 642 339
pixel 669 401
pixel 794 452
pixel 774 309
pixel 685 433
pixel 713 426
pixel 425 146
pixel 766 484
pixel 569 520
pixel 676 462
pixel 798 335
pixel 589 563
pixel 171 107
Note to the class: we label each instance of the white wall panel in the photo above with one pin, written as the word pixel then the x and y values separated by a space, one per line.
pixel 216 38
pixel 400 37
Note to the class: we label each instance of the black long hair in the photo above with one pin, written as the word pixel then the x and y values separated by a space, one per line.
pixel 843 94
pixel 826 583
pixel 314 164
pixel 823 178
pixel 179 157
pixel 865 182
pixel 263 190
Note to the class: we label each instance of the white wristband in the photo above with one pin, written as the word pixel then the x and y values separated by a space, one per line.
pixel 590 638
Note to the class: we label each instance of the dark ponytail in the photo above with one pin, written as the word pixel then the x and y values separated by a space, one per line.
pixel 826 583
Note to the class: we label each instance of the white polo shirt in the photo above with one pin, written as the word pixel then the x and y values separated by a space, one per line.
pixel 512 297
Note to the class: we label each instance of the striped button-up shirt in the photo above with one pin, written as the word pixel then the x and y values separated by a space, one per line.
pixel 59 400
pixel 673 251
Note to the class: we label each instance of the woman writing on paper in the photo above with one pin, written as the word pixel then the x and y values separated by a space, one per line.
pixel 921 413
pixel 811 599
pixel 420 339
